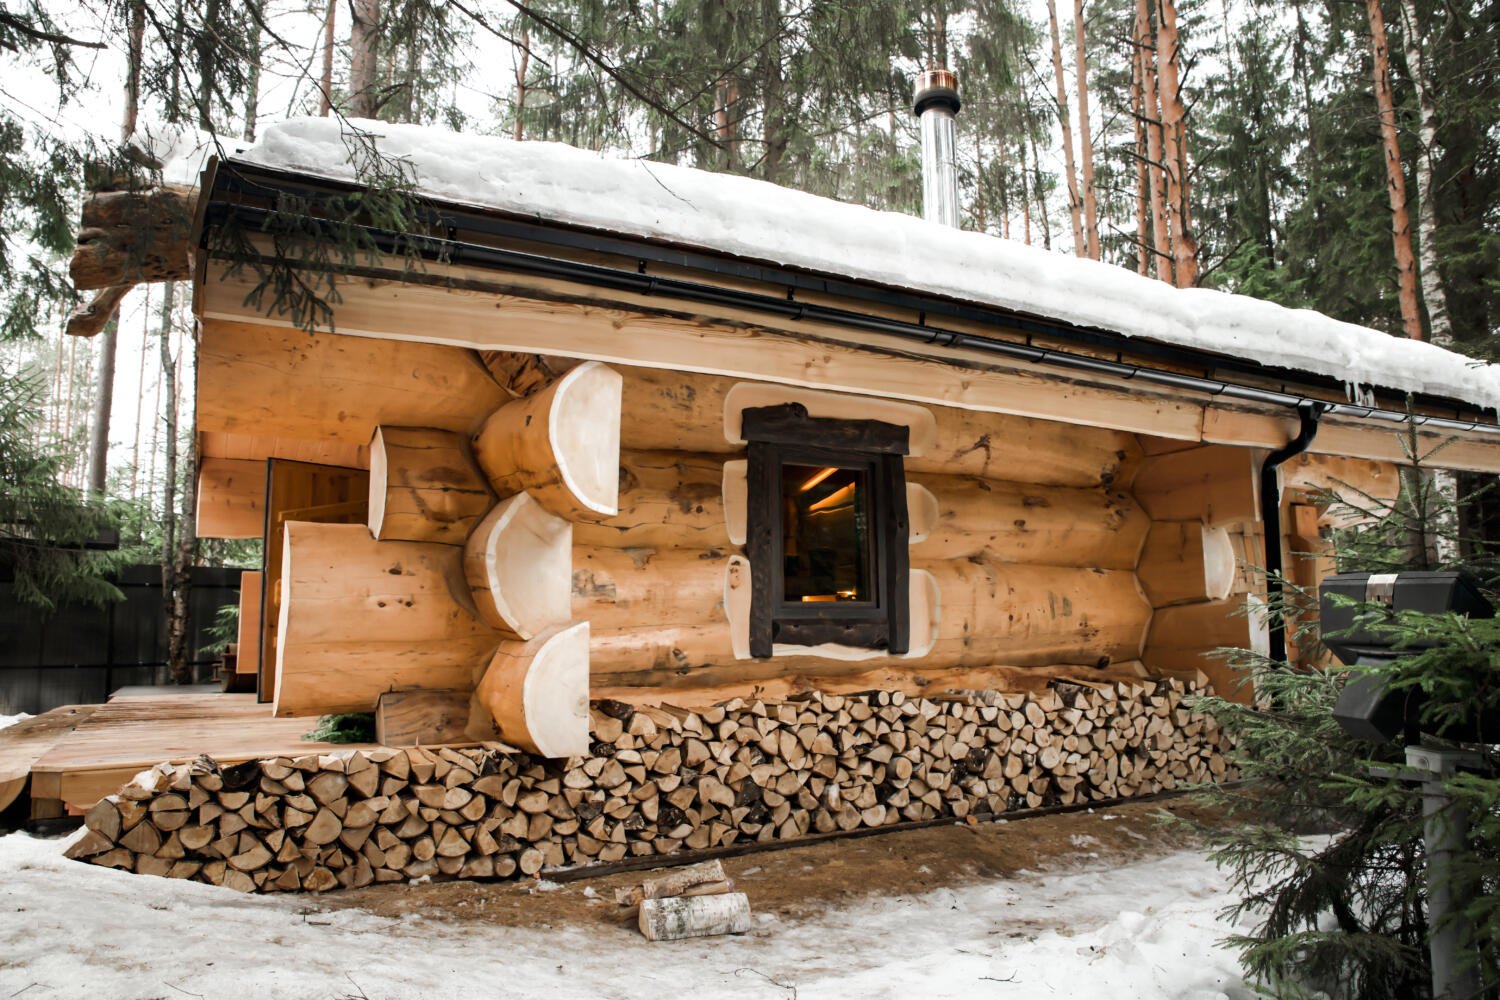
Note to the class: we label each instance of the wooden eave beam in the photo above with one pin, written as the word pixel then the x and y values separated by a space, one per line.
pixel 461 306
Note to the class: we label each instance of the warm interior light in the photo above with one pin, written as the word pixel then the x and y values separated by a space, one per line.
pixel 820 598
pixel 816 479
pixel 835 499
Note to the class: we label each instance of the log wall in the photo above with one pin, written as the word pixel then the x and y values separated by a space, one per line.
pixel 1032 542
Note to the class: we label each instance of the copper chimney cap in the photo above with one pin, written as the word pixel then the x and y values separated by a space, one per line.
pixel 937 88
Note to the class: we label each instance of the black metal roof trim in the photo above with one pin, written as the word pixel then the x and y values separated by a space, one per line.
pixel 237 178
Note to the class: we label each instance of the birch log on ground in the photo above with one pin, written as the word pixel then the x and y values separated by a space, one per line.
pixel 424 486
pixel 561 445
pixel 695 916
pixel 360 617
pixel 676 883
pixel 537 692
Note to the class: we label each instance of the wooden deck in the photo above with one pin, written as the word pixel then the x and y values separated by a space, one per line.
pixel 136 730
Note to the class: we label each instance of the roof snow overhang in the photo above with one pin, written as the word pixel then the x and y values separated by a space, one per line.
pixel 1229 399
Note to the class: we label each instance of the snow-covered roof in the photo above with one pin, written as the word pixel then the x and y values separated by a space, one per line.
pixel 753 219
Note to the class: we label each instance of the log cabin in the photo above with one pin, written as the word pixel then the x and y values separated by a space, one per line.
pixel 606 441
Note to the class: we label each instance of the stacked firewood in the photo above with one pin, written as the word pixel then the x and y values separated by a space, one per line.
pixel 656 781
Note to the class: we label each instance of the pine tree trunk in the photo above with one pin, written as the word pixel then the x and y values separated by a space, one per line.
pixel 136 43
pixel 1041 197
pixel 1085 132
pixel 1080 245
pixel 208 47
pixel 169 588
pixel 1025 196
pixel 773 126
pixel 364 35
pixel 104 398
pixel 1406 268
pixel 1184 244
pixel 326 82
pixel 1142 169
pixel 252 75
pixel 140 392
pixel 1436 299
pixel 178 650
pixel 519 131
pixel 1444 482
pixel 1155 172
pixel 67 424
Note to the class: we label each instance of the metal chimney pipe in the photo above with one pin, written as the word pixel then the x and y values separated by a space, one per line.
pixel 936 104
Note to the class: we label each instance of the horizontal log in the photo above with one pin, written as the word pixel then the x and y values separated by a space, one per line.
pixel 988 614
pixel 424 486
pixel 360 617
pixel 1217 484
pixel 1185 562
pixel 1024 615
pixel 667 410
pixel 561 445
pixel 415 718
pixel 667 498
pixel 703 688
pixel 275 382
pixel 649 588
pixel 130 237
pixel 231 498
pixel 518 563
pixel 1011 522
pixel 1185 639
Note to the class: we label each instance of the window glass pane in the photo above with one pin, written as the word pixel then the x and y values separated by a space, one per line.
pixel 825 533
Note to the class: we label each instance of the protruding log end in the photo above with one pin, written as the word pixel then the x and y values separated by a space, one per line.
pixel 424 486
pixel 88 319
pixel 538 692
pixel 562 444
pixel 519 564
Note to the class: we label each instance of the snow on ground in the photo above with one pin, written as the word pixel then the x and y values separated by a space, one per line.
pixel 764 222
pixel 1146 929
pixel 11 720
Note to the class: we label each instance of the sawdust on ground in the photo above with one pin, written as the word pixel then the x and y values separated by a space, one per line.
pixel 798 882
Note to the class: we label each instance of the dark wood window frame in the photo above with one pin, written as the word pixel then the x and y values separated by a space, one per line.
pixel 786 435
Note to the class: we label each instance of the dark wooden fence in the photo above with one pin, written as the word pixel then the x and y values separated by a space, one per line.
pixel 78 655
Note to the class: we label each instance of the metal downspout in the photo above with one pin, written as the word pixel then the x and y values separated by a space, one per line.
pixel 1308 414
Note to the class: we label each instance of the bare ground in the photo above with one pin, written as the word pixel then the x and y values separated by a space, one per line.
pixel 799 882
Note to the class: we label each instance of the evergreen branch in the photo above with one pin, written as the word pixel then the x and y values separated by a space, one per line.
pixel 583 49
pixel 21 25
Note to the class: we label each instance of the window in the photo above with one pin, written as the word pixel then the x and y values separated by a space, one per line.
pixel 826 530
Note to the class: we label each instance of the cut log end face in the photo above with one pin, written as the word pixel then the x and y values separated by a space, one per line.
pixel 424 486
pixel 561 445
pixel 519 565
pixel 537 692
pixel 586 436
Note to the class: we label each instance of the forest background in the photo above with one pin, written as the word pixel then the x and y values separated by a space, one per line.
pixel 1339 155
